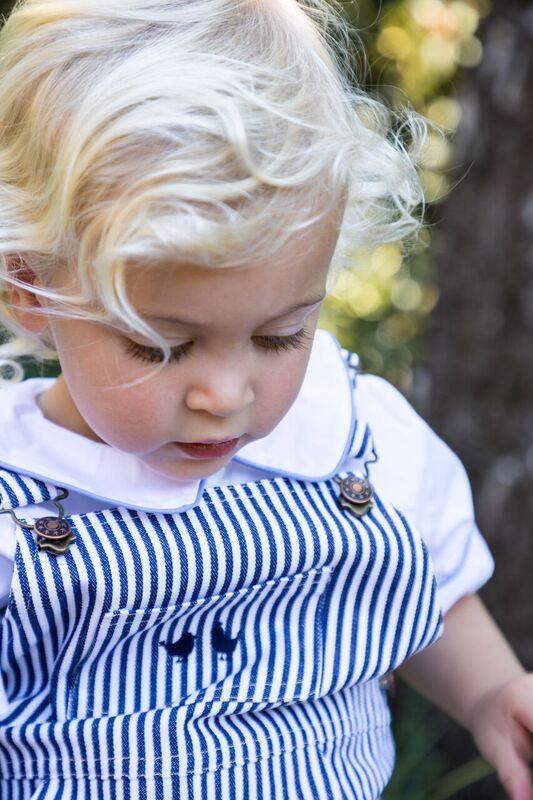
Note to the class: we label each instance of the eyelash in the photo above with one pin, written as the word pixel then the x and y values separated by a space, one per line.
pixel 273 344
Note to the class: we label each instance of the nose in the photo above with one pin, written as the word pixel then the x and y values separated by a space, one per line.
pixel 221 392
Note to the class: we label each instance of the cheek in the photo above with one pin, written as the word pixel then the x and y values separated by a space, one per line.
pixel 132 419
pixel 278 389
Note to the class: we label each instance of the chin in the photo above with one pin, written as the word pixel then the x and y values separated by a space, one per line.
pixel 187 469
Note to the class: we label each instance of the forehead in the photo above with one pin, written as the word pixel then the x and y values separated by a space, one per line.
pixel 296 273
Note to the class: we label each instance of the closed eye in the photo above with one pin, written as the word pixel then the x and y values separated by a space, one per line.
pixel 294 341
pixel 154 354
pixel 274 344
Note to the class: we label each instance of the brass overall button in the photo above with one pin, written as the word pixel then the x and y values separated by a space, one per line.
pixel 54 534
pixel 356 494
pixel 52 528
pixel 357 490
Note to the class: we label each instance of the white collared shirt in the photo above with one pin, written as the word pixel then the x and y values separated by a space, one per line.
pixel 416 471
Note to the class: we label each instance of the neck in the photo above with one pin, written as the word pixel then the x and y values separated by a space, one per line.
pixel 58 406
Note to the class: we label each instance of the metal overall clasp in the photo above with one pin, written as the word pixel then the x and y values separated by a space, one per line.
pixel 356 493
pixel 54 534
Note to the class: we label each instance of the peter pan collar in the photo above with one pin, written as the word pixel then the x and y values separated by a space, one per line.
pixel 309 443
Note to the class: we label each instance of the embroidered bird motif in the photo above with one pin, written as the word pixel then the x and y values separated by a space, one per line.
pixel 182 647
pixel 221 642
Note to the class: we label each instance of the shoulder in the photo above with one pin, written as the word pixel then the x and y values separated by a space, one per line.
pixel 398 429
pixel 379 402
pixel 373 393
pixel 421 476
pixel 400 434
pixel 415 466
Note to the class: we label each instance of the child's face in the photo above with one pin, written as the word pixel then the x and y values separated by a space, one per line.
pixel 226 385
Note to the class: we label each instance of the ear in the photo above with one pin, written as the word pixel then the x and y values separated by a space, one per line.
pixel 23 302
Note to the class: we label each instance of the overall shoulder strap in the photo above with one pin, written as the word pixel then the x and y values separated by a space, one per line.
pixel 352 361
pixel 361 445
pixel 18 490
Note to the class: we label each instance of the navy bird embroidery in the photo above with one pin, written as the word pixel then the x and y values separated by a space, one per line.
pixel 222 643
pixel 182 647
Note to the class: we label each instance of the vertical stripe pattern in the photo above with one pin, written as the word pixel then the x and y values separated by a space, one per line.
pixel 292 608
pixel 231 651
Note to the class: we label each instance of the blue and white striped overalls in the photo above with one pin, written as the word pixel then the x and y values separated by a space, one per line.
pixel 233 650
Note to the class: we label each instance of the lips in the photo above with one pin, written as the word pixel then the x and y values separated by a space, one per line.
pixel 208 449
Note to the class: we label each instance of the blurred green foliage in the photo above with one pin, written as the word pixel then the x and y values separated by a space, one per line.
pixel 380 307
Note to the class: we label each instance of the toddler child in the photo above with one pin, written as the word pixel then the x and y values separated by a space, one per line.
pixel 217 538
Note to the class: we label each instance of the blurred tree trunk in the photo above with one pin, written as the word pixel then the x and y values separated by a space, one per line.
pixel 479 350
pixel 480 343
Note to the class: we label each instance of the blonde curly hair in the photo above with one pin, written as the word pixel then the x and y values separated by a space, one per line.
pixel 202 131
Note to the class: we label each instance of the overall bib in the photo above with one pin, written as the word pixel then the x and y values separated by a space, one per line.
pixel 232 650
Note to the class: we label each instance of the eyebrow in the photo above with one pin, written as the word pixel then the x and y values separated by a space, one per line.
pixel 297 307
